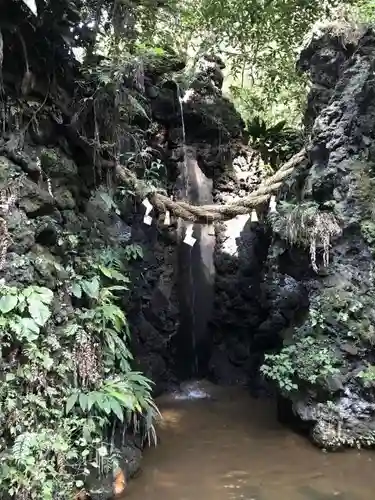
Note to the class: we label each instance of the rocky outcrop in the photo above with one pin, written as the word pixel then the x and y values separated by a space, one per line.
pixel 220 278
pixel 332 371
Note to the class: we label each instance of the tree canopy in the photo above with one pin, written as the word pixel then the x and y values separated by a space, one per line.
pixel 258 39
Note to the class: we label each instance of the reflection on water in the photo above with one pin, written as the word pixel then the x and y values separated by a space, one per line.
pixel 230 447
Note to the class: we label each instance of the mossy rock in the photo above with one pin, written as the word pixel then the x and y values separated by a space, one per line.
pixel 130 463
pixel 57 165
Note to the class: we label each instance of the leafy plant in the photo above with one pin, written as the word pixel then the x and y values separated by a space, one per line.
pixel 23 312
pixel 368 376
pixel 133 252
pixel 276 143
pixel 303 362
pixel 63 387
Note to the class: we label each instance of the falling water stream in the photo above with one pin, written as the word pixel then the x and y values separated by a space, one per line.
pixel 185 178
pixel 230 447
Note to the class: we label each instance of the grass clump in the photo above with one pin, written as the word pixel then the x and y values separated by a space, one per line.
pixel 307 226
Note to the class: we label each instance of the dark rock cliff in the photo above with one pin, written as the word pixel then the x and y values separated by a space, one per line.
pixel 334 345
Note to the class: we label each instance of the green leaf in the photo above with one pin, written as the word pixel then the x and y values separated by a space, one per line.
pixel 77 290
pixel 91 288
pixel 104 404
pixel 71 329
pixel 119 277
pixel 71 401
pixel 113 274
pixel 45 295
pixel 117 288
pixel 83 401
pixel 110 342
pixel 8 303
pixel 128 400
pixel 39 312
pixel 47 362
pixel 107 271
pixel 91 400
pixel 117 410
pixel 28 328
pixel 108 200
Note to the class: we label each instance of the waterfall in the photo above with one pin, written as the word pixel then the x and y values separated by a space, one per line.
pixel 195 367
pixel 185 172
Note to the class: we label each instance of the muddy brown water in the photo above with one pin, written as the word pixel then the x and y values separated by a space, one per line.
pixel 231 447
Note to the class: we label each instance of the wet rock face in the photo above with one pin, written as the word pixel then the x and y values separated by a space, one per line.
pixel 322 59
pixel 340 408
pixel 209 116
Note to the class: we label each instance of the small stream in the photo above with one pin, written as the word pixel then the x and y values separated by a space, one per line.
pixel 229 447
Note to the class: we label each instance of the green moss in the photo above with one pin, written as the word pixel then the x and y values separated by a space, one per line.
pixel 55 164
pixel 363 185
pixel 49 159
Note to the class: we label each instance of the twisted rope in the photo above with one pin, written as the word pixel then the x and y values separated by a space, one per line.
pixel 214 213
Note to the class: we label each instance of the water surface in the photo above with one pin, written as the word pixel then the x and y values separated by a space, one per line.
pixel 231 447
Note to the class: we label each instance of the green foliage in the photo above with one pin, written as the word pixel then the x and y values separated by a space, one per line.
pixel 276 143
pixel 365 10
pixel 368 232
pixel 259 40
pixel 336 317
pixel 64 387
pixel 340 313
pixel 257 96
pixel 155 173
pixel 23 313
pixel 367 376
pixel 307 361
pixel 133 252
pixel 115 398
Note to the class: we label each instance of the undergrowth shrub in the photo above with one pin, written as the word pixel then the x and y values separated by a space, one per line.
pixel 336 317
pixel 367 376
pixel 276 143
pixel 66 382
pixel 304 362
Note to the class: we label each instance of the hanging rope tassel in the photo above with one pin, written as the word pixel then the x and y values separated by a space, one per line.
pixel 254 217
pixel 272 205
pixel 147 219
pixel 189 238
pixel 167 218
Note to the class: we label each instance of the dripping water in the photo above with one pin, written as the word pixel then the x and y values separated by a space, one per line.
pixel 186 192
